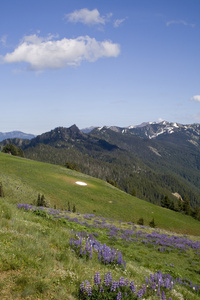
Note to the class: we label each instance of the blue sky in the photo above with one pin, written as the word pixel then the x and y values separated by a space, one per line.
pixel 98 62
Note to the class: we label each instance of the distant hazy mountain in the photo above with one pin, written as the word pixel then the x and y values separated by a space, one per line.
pixel 15 134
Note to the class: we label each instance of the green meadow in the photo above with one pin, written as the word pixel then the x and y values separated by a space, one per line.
pixel 36 259
pixel 23 179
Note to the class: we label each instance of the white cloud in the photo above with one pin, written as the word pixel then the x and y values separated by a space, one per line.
pixel 45 53
pixel 179 22
pixel 88 17
pixel 195 98
pixel 118 22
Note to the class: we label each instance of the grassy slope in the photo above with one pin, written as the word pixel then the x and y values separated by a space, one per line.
pixel 23 179
pixel 35 258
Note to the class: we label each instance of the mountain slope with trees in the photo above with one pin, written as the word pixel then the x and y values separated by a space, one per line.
pixel 150 168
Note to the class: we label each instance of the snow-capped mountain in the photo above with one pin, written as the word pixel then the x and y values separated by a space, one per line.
pixel 152 130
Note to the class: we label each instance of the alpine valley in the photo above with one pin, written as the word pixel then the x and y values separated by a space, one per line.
pixel 151 161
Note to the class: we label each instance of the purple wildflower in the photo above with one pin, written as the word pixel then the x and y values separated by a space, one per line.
pixel 119 296
pixel 107 279
pixel 82 287
pixel 113 286
pixel 132 287
pixel 97 279
pixel 126 283
pixel 88 288
pixel 140 293
pixel 121 281
pixel 163 297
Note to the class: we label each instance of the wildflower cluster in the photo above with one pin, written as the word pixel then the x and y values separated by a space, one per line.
pixel 84 247
pixel 162 242
pixel 160 283
pixel 81 247
pixel 107 288
pixel 157 285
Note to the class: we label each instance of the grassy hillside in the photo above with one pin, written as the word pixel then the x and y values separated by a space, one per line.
pixel 41 250
pixel 23 179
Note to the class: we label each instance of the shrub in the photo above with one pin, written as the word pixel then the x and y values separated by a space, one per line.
pixel 13 150
pixel 140 221
pixel 41 201
pixel 152 223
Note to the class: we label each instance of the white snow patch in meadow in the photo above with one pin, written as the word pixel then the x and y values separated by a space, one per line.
pixel 81 183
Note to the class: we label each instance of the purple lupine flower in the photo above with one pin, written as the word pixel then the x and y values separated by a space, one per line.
pixel 81 251
pixel 153 286
pixel 82 287
pixel 97 279
pixel 113 286
pixel 158 292
pixel 126 283
pixel 163 297
pixel 88 288
pixel 132 287
pixel 144 288
pixel 167 283
pixel 140 293
pixel 119 296
pixel 121 281
pixel 107 278
pixel 119 258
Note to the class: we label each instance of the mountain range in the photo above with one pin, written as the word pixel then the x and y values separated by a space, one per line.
pixel 151 160
pixel 15 134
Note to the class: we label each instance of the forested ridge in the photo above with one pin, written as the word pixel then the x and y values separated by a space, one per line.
pixel 151 169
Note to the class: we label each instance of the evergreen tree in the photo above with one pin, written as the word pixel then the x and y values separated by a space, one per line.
pixel 180 205
pixel 140 221
pixel 38 203
pixel 186 205
pixel 74 208
pixel 152 223
pixel 165 202
pixel 41 201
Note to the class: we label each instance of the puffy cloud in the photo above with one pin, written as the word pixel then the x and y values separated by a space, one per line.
pixel 179 22
pixel 46 53
pixel 195 98
pixel 118 22
pixel 88 17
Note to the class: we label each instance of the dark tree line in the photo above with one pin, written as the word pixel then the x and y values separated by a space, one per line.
pixel 183 206
pixel 13 150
